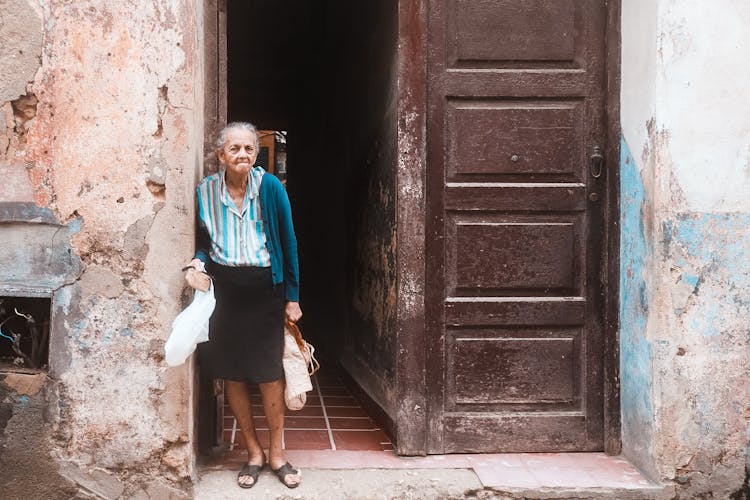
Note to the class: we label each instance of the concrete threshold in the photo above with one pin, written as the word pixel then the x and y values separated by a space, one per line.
pixel 329 474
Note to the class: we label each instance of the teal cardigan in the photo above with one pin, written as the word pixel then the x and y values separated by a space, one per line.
pixel 280 239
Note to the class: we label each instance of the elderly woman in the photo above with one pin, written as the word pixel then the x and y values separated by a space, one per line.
pixel 246 242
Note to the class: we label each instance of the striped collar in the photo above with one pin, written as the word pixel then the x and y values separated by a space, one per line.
pixel 251 190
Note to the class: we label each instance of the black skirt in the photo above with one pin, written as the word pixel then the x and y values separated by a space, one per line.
pixel 246 330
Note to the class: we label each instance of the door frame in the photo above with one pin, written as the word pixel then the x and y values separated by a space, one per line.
pixel 209 410
pixel 412 424
pixel 613 50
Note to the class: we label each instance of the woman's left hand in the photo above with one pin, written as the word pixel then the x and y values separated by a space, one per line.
pixel 293 312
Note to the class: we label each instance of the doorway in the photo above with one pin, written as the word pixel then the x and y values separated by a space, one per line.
pixel 481 136
pixel 324 74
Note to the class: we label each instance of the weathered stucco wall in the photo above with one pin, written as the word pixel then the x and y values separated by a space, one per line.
pixel 636 294
pixel 101 134
pixel 685 245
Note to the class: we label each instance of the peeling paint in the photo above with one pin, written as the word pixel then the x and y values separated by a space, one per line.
pixel 636 352
pixel 21 29
pixel 694 37
pixel 683 67
pixel 101 144
pixel 368 167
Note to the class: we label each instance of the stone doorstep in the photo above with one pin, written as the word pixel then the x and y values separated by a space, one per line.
pixel 521 475
pixel 383 484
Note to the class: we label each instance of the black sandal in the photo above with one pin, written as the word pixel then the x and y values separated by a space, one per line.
pixel 249 470
pixel 285 470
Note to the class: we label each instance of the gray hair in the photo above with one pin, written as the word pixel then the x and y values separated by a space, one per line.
pixel 221 139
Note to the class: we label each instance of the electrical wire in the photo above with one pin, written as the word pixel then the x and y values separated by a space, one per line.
pixel 5 336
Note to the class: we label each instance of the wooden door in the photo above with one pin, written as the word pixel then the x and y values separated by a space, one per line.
pixel 514 302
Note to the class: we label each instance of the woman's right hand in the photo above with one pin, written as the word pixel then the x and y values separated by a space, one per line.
pixel 196 277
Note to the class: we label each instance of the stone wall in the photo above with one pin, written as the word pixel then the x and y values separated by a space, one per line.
pixel 101 133
pixel 685 268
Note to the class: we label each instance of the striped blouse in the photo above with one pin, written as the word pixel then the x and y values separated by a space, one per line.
pixel 237 235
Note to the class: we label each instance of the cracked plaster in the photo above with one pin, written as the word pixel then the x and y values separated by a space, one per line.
pixel 21 42
pixel 115 108
pixel 679 102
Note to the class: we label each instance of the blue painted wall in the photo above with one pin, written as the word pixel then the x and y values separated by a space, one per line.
pixel 636 383
pixel 682 367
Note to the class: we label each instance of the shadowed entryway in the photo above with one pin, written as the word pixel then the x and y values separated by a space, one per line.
pixel 324 73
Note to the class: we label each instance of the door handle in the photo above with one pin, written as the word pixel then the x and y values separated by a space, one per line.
pixel 596 162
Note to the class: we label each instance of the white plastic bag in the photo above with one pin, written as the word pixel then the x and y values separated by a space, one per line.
pixel 190 327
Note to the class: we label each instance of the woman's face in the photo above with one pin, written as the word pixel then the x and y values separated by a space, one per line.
pixel 239 152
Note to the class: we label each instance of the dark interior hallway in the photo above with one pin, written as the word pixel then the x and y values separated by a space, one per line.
pixel 325 72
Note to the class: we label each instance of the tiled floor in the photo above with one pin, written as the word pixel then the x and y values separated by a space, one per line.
pixel 331 420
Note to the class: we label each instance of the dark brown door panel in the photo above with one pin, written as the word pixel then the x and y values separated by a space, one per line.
pixel 514 305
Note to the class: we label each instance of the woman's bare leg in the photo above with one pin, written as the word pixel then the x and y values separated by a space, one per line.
pixel 239 401
pixel 273 404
